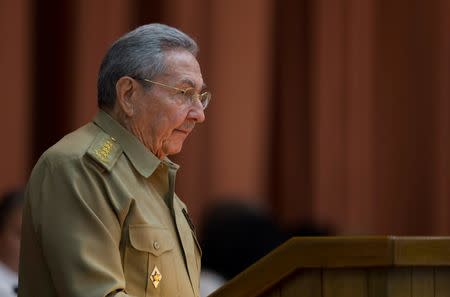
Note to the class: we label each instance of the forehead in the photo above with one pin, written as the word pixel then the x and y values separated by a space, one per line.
pixel 182 66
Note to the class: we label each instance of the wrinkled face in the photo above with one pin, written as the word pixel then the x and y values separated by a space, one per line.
pixel 162 117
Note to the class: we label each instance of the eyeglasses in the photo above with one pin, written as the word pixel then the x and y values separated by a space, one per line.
pixel 188 93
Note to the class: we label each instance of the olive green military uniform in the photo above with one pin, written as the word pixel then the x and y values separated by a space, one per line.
pixel 101 219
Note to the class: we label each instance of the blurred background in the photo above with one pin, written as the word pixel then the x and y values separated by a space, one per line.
pixel 326 112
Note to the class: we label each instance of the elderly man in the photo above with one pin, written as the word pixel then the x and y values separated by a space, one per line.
pixel 101 217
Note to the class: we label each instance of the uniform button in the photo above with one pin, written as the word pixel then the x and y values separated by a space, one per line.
pixel 156 245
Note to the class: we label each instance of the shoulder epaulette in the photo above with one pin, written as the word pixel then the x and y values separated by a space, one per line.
pixel 105 150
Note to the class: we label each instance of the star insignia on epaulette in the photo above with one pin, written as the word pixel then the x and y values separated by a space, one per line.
pixel 105 150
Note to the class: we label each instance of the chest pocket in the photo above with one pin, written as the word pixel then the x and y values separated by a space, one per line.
pixel 154 240
pixel 149 262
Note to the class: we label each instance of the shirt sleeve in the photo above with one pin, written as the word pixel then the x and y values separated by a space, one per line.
pixel 78 229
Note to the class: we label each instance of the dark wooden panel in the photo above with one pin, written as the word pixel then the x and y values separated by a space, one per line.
pixel 344 283
pixel 442 282
pixel 305 284
pixel 399 282
pixel 377 282
pixel 273 293
pixel 422 281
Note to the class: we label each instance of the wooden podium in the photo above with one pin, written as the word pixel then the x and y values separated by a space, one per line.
pixel 348 267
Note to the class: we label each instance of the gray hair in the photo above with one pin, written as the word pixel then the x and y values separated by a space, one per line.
pixel 138 54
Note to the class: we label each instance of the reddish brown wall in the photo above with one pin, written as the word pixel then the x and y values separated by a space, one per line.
pixel 333 111
pixel 15 78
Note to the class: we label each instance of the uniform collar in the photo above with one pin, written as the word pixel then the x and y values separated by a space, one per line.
pixel 143 160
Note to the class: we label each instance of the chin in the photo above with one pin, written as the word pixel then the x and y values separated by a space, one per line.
pixel 175 149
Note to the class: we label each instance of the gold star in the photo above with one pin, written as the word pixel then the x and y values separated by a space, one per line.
pixel 156 277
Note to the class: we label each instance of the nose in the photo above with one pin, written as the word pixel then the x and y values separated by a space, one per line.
pixel 197 113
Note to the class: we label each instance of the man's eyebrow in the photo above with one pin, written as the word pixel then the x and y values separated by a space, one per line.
pixel 187 81
pixel 192 84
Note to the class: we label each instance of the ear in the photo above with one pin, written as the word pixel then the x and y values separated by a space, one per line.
pixel 125 94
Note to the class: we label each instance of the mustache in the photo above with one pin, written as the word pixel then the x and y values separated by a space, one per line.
pixel 188 126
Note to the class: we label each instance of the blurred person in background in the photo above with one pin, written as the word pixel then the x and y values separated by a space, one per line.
pixel 101 217
pixel 235 234
pixel 310 228
pixel 10 225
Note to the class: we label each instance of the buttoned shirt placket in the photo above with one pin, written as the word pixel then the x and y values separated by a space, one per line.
pixel 172 171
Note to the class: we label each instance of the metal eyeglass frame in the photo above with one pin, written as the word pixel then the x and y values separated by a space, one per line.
pixel 204 97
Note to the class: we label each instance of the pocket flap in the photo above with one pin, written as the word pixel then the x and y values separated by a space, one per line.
pixel 151 239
